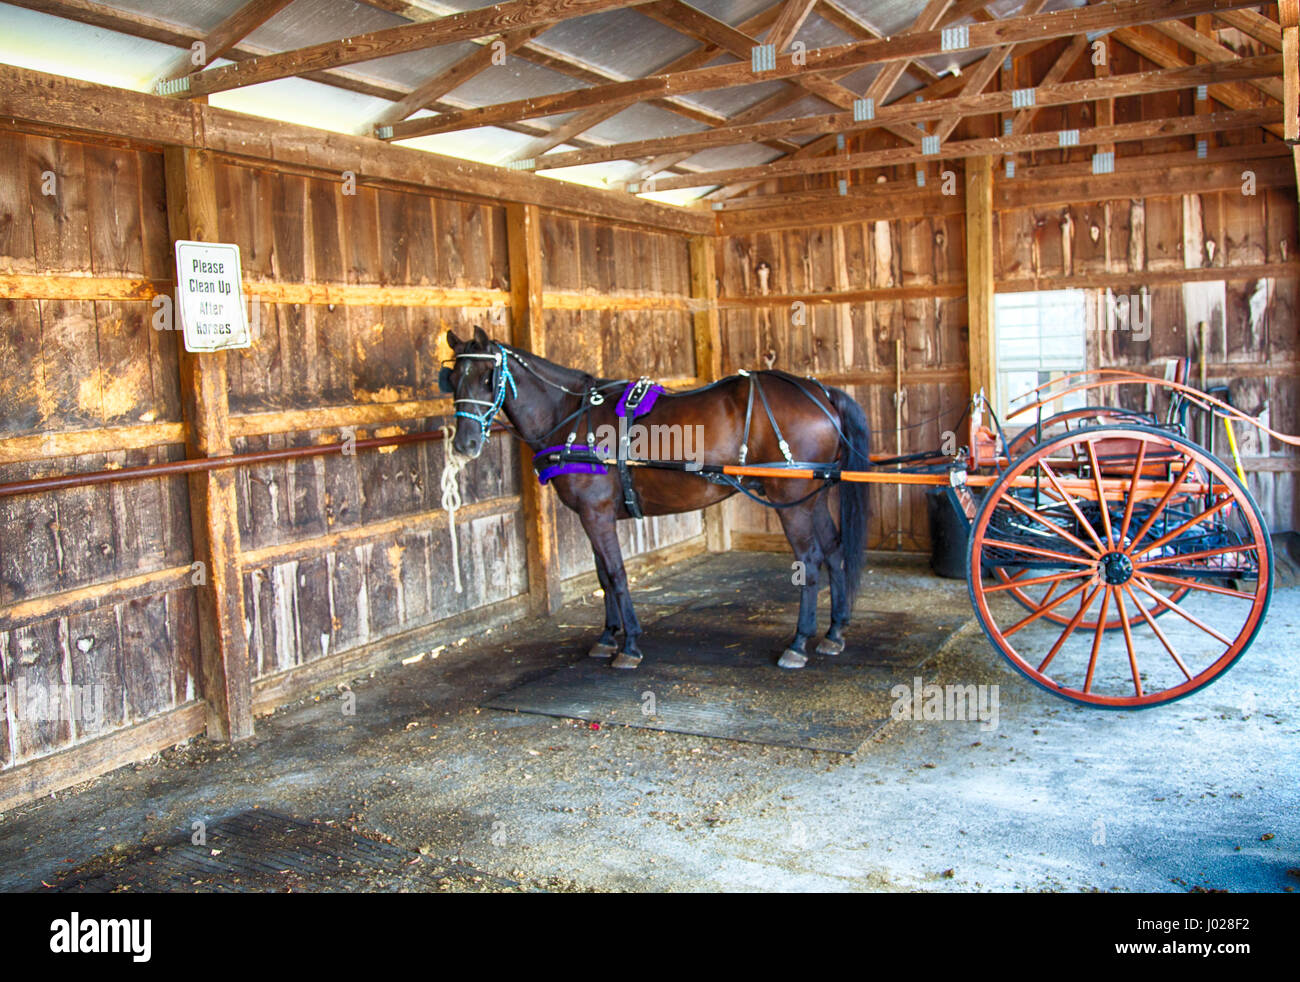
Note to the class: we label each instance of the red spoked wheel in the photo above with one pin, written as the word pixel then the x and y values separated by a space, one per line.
pixel 1115 524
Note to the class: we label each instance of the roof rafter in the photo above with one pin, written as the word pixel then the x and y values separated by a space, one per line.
pixel 453 76
pixel 1050 93
pixel 1102 16
pixel 1153 47
pixel 1120 133
pixel 466 26
pixel 227 34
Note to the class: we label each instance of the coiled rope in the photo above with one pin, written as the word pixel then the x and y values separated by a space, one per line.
pixel 452 462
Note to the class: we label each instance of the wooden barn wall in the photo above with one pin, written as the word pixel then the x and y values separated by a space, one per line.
pixel 645 269
pixel 348 550
pixel 1251 334
pixel 340 554
pixel 854 345
pixel 94 582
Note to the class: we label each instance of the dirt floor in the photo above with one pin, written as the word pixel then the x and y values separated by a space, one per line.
pixel 423 789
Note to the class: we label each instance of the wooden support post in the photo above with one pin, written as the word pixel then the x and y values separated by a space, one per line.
pixel 1289 13
pixel 708 360
pixel 528 332
pixel 979 275
pixel 214 516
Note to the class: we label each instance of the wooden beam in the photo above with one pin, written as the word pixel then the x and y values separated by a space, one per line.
pixel 1051 93
pixel 1253 24
pixel 791 19
pixel 708 359
pixel 498 19
pixel 979 277
pixel 1211 50
pixel 452 77
pixel 1151 175
pixel 70 104
pixel 1119 133
pixel 1149 44
pixel 1289 11
pixel 218 42
pixel 1038 27
pixel 528 331
pixel 1078 44
pixel 214 508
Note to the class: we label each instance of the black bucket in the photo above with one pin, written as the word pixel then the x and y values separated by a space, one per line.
pixel 949 534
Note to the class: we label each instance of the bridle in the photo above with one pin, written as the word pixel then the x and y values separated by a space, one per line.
pixel 501 378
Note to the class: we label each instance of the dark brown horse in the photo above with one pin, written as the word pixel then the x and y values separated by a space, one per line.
pixel 796 419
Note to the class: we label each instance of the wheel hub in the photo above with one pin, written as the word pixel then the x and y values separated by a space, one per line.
pixel 1117 568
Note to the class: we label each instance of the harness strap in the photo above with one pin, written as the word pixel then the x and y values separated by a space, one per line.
pixel 749 413
pixel 780 440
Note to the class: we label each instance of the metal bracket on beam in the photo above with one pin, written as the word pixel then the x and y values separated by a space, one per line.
pixel 1011 168
pixel 954 38
pixel 864 109
pixel 930 144
pixel 384 132
pixel 528 163
pixel 1022 98
pixel 1202 93
pixel 920 178
pixel 1202 149
pixel 763 58
pixel 1103 163
pixel 844 187
pixel 1067 138
pixel 173 86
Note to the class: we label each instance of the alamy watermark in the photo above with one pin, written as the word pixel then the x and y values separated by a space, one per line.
pixel 959 703
pixel 52 703
pixel 657 442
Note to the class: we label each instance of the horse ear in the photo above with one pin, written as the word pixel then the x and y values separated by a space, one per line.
pixel 480 336
pixel 453 342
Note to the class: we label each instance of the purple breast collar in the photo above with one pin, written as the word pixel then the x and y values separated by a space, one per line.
pixel 637 400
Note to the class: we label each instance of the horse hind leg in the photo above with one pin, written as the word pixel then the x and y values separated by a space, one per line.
pixel 801 532
pixel 829 539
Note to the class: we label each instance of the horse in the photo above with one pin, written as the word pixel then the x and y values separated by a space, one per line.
pixel 800 420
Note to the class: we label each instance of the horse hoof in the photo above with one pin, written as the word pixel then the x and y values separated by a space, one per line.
pixel 602 650
pixel 624 660
pixel 829 646
pixel 792 659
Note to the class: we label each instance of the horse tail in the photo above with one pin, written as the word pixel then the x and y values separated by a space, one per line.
pixel 853 494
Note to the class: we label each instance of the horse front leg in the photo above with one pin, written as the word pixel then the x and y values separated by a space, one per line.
pixel 601 530
pixel 801 531
pixel 607 643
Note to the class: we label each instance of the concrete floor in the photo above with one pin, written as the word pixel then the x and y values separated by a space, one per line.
pixel 1199 794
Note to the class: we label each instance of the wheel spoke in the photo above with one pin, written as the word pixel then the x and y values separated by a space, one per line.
pixel 1128 641
pixel 1200 554
pixel 1194 520
pixel 1132 493
pixel 1096 639
pixel 1055 578
pixel 1160 505
pixel 1159 633
pixel 1047 609
pixel 1069 628
pixel 1036 551
pixel 1166 602
pixel 1101 493
pixel 1198 585
pixel 1060 530
pixel 1087 525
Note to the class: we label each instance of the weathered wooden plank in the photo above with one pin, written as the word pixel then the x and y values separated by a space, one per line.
pixel 192 214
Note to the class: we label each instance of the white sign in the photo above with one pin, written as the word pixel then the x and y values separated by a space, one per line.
pixel 209 297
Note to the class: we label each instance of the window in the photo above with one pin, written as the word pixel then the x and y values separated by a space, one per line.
pixel 1040 336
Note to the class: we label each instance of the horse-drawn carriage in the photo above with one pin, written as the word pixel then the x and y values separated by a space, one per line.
pixel 1109 557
